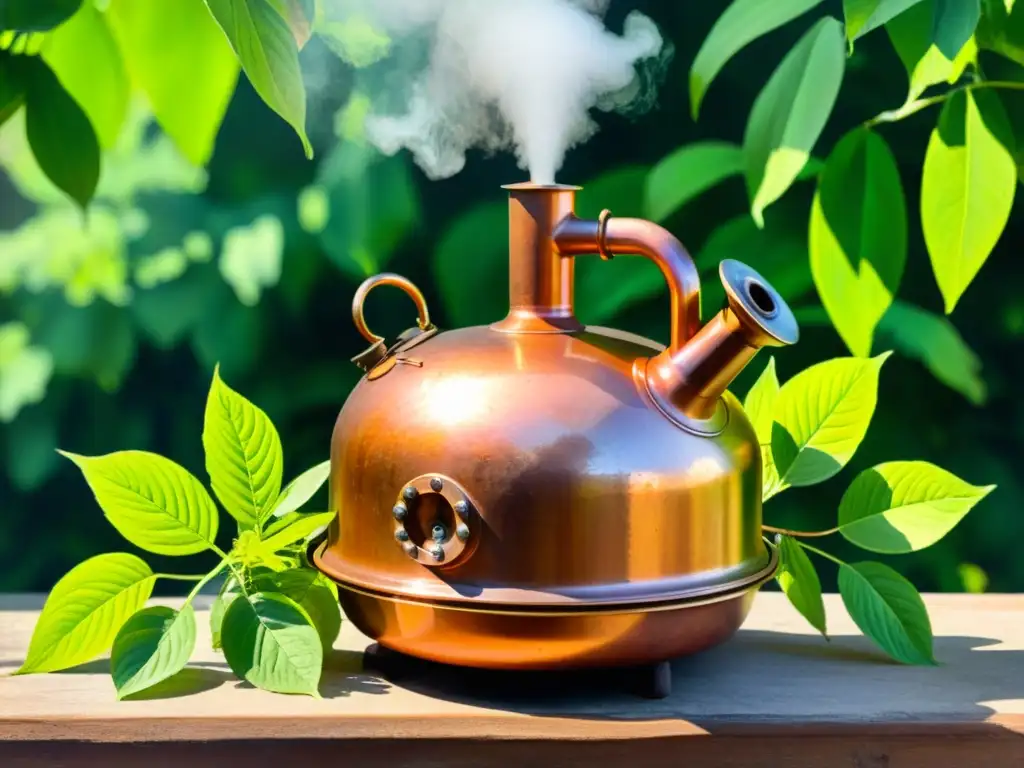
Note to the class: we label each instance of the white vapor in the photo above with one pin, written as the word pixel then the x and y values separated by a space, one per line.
pixel 519 75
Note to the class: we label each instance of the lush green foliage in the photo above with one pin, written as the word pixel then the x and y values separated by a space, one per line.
pixel 209 239
pixel 809 428
pixel 273 618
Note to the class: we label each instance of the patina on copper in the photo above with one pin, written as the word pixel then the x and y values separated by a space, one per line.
pixel 537 492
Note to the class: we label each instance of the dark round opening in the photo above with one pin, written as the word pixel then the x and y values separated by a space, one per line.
pixel 761 298
pixel 431 520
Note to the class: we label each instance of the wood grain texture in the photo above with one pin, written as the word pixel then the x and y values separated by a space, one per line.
pixel 776 694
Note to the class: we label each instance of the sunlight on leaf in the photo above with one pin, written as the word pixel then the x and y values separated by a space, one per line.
pixel 905 506
pixel 934 40
pixel 85 609
pixel 821 417
pixel 740 24
pixel 790 112
pixel 858 236
pixel 967 190
pixel 799 581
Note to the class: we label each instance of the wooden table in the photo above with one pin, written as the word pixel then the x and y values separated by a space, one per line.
pixel 777 694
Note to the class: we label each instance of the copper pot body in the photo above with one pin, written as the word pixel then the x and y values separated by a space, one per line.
pixel 537 493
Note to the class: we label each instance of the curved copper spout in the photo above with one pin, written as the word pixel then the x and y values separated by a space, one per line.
pixel 612 236
pixel 686 380
pixel 693 379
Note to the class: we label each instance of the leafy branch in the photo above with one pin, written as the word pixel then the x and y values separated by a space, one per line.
pixel 288 614
pixel 808 429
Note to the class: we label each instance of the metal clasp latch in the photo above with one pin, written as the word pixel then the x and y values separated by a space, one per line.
pixel 378 358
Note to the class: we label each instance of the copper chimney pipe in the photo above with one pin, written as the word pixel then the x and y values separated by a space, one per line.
pixel 692 373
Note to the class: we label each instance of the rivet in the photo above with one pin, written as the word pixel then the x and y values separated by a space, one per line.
pixel 461 508
pixel 437 552
pixel 399 511
pixel 436 484
pixel 438 532
pixel 410 493
pixel 462 531
pixel 411 550
pixel 402 535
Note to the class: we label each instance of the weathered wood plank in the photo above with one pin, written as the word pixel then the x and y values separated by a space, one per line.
pixel 777 694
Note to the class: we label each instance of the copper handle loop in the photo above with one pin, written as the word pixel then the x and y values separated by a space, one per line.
pixel 627 236
pixel 387 278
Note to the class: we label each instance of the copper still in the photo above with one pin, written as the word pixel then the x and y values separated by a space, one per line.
pixel 537 493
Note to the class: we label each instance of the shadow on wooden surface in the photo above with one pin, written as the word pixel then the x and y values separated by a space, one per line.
pixel 755 676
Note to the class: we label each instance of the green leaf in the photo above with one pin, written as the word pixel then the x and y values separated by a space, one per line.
pixel 373 207
pixel 269 56
pixel 790 113
pixel 229 592
pixel 85 610
pixel 179 58
pixel 60 134
pixel 858 236
pixel 1001 29
pixel 35 15
pixel 299 15
pixel 86 59
pixel 151 501
pixel 153 645
pixel 686 173
pixel 742 22
pixel 243 454
pixel 799 580
pixel 934 41
pixel 12 88
pixel 967 191
pixel 314 593
pixel 301 489
pixel 471 266
pixel 887 608
pixel 862 16
pixel 905 506
pixel 934 341
pixel 270 640
pixel 759 406
pixel 605 288
pixel 821 417
pixel 299 528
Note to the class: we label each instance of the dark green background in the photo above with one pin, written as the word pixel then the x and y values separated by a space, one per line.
pixel 290 354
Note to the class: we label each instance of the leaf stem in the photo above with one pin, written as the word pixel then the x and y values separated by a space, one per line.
pixel 206 579
pixel 798 534
pixel 179 577
pixel 911 107
pixel 820 553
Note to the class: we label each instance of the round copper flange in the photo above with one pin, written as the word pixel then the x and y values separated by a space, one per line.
pixel 447 541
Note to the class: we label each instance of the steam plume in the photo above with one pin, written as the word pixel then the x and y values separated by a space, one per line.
pixel 519 75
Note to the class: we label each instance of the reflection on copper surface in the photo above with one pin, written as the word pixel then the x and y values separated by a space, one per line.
pixel 613 485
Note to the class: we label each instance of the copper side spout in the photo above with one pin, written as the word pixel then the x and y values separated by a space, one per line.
pixel 691 375
pixel 692 379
